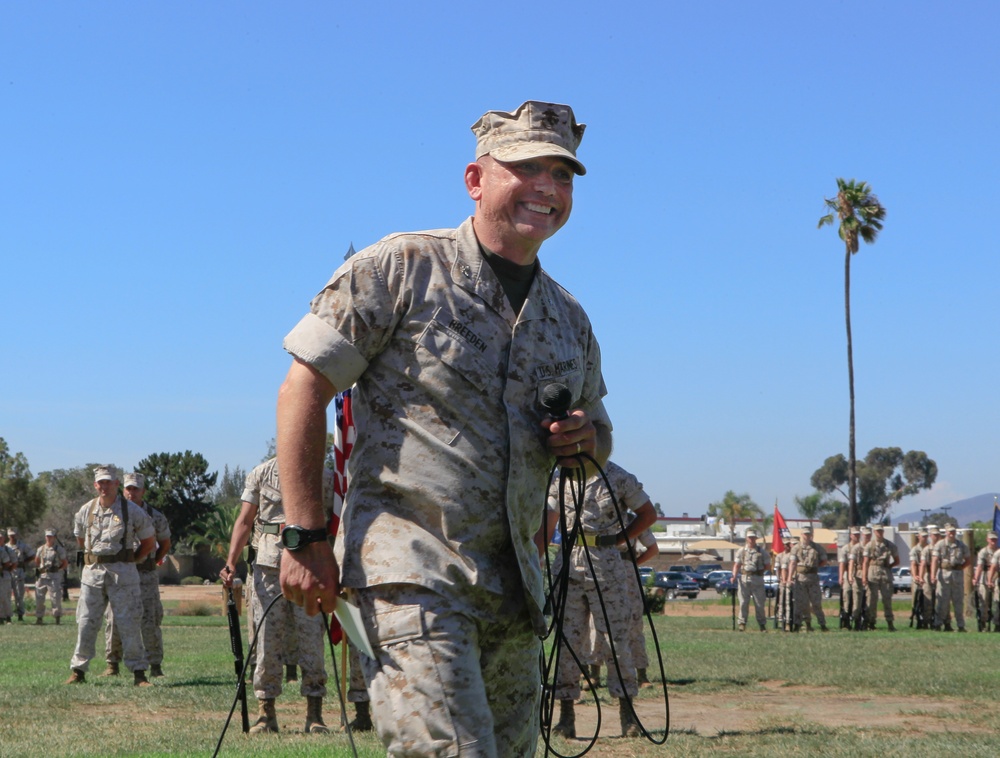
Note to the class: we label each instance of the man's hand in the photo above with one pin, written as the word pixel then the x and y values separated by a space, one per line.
pixel 575 437
pixel 311 578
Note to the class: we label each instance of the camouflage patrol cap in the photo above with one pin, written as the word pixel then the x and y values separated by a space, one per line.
pixel 50 532
pixel 951 528
pixel 991 536
pixel 807 529
pixel 879 527
pixel 855 530
pixel 11 530
pixel 866 530
pixel 135 479
pixel 752 533
pixel 105 474
pixel 922 531
pixel 933 529
pixel 534 130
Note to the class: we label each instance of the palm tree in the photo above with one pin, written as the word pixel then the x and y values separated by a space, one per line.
pixel 734 507
pixel 861 216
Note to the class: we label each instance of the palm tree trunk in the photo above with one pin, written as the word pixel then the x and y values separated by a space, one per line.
pixel 851 456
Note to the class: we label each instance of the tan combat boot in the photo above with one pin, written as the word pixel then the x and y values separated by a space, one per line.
pixel 630 727
pixel 267 721
pixel 314 716
pixel 567 720
pixel 112 669
pixel 77 677
pixel 140 680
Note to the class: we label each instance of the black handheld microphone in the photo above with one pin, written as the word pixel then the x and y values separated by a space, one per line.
pixel 556 398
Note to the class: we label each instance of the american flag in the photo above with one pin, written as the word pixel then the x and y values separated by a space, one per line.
pixel 344 435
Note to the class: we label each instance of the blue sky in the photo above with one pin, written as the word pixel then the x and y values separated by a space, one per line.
pixel 181 178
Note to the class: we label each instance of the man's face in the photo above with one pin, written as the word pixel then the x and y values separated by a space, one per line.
pixel 106 487
pixel 879 535
pixel 522 203
pixel 855 538
pixel 135 494
pixel 50 540
pixel 806 538
pixel 991 543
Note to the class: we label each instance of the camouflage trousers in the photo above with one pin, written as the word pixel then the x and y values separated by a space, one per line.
pixel 808 597
pixel 751 588
pixel 290 650
pixel 5 583
pixel 124 598
pixel 597 651
pixel 950 592
pixel 450 676
pixel 987 599
pixel 357 692
pixel 17 586
pixel 583 606
pixel 46 583
pixel 272 635
pixel 880 588
pixel 152 617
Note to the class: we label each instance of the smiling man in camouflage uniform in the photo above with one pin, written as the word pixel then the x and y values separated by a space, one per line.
pixel 105 529
pixel 149 588
pixel 451 337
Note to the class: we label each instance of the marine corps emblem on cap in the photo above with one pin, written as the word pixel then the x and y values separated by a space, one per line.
pixel 135 479
pixel 105 473
pixel 534 130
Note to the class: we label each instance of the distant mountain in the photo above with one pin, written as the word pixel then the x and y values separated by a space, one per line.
pixel 978 508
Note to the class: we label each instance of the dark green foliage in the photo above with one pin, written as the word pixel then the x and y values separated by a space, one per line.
pixel 884 477
pixel 22 501
pixel 179 485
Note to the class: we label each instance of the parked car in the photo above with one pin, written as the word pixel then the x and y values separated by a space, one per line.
pixel 708 568
pixel 715 576
pixel 829 580
pixel 673 584
pixel 902 579
pixel 645 572
pixel 700 579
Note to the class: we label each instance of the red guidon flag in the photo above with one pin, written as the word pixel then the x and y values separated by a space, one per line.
pixel 780 537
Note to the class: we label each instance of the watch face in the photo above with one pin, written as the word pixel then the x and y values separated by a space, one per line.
pixel 291 538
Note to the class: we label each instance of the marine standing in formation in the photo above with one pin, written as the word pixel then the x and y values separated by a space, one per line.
pixel 749 566
pixel 849 596
pixel 51 561
pixel 23 556
pixel 149 588
pixel 450 336
pixel 106 528
pixel 880 557
pixel 806 558
pixel 599 545
pixel 949 559
pixel 785 602
pixel 981 583
pixel 7 562
pixel 263 510
pixel 921 603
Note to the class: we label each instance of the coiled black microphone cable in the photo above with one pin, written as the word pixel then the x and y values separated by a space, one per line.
pixel 556 400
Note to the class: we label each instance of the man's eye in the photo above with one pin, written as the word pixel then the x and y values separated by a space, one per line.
pixel 563 176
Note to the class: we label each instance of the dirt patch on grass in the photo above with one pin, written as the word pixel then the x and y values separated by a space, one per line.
pixel 774 705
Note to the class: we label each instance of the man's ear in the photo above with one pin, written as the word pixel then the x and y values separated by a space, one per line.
pixel 474 181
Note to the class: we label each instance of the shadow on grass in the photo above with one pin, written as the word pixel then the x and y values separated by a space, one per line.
pixel 765 731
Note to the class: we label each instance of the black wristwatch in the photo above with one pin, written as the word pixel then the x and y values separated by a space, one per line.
pixel 295 538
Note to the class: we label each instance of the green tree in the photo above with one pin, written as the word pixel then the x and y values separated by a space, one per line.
pixel 884 477
pixel 179 485
pixel 22 500
pixel 819 507
pixel 215 528
pixel 735 507
pixel 861 215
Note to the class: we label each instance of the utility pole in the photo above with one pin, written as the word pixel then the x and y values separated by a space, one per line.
pixel 924 511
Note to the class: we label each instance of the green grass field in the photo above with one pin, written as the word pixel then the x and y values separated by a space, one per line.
pixel 183 713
